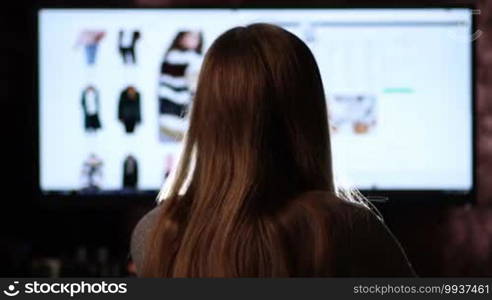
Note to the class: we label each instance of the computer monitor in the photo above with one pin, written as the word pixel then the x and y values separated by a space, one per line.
pixel 115 86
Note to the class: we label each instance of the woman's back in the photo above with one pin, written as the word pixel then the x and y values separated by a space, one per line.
pixel 241 202
pixel 321 235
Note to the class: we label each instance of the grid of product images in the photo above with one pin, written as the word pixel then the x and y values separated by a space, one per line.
pixel 117 121
pixel 177 81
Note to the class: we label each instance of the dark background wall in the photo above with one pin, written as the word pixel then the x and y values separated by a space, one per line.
pixel 441 240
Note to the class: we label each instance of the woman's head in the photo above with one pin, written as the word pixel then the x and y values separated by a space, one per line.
pixel 258 137
pixel 188 40
pixel 260 111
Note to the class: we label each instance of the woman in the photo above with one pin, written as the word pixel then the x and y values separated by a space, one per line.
pixel 176 83
pixel 253 195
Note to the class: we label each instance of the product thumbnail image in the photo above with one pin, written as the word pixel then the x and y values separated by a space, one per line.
pixel 129 108
pixel 90 40
pixel 130 172
pixel 177 82
pixel 92 173
pixel 127 41
pixel 90 108
pixel 352 113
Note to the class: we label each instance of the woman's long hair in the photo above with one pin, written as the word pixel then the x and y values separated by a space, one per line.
pixel 258 138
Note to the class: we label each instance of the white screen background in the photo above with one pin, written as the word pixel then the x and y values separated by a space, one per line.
pixel 419 71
